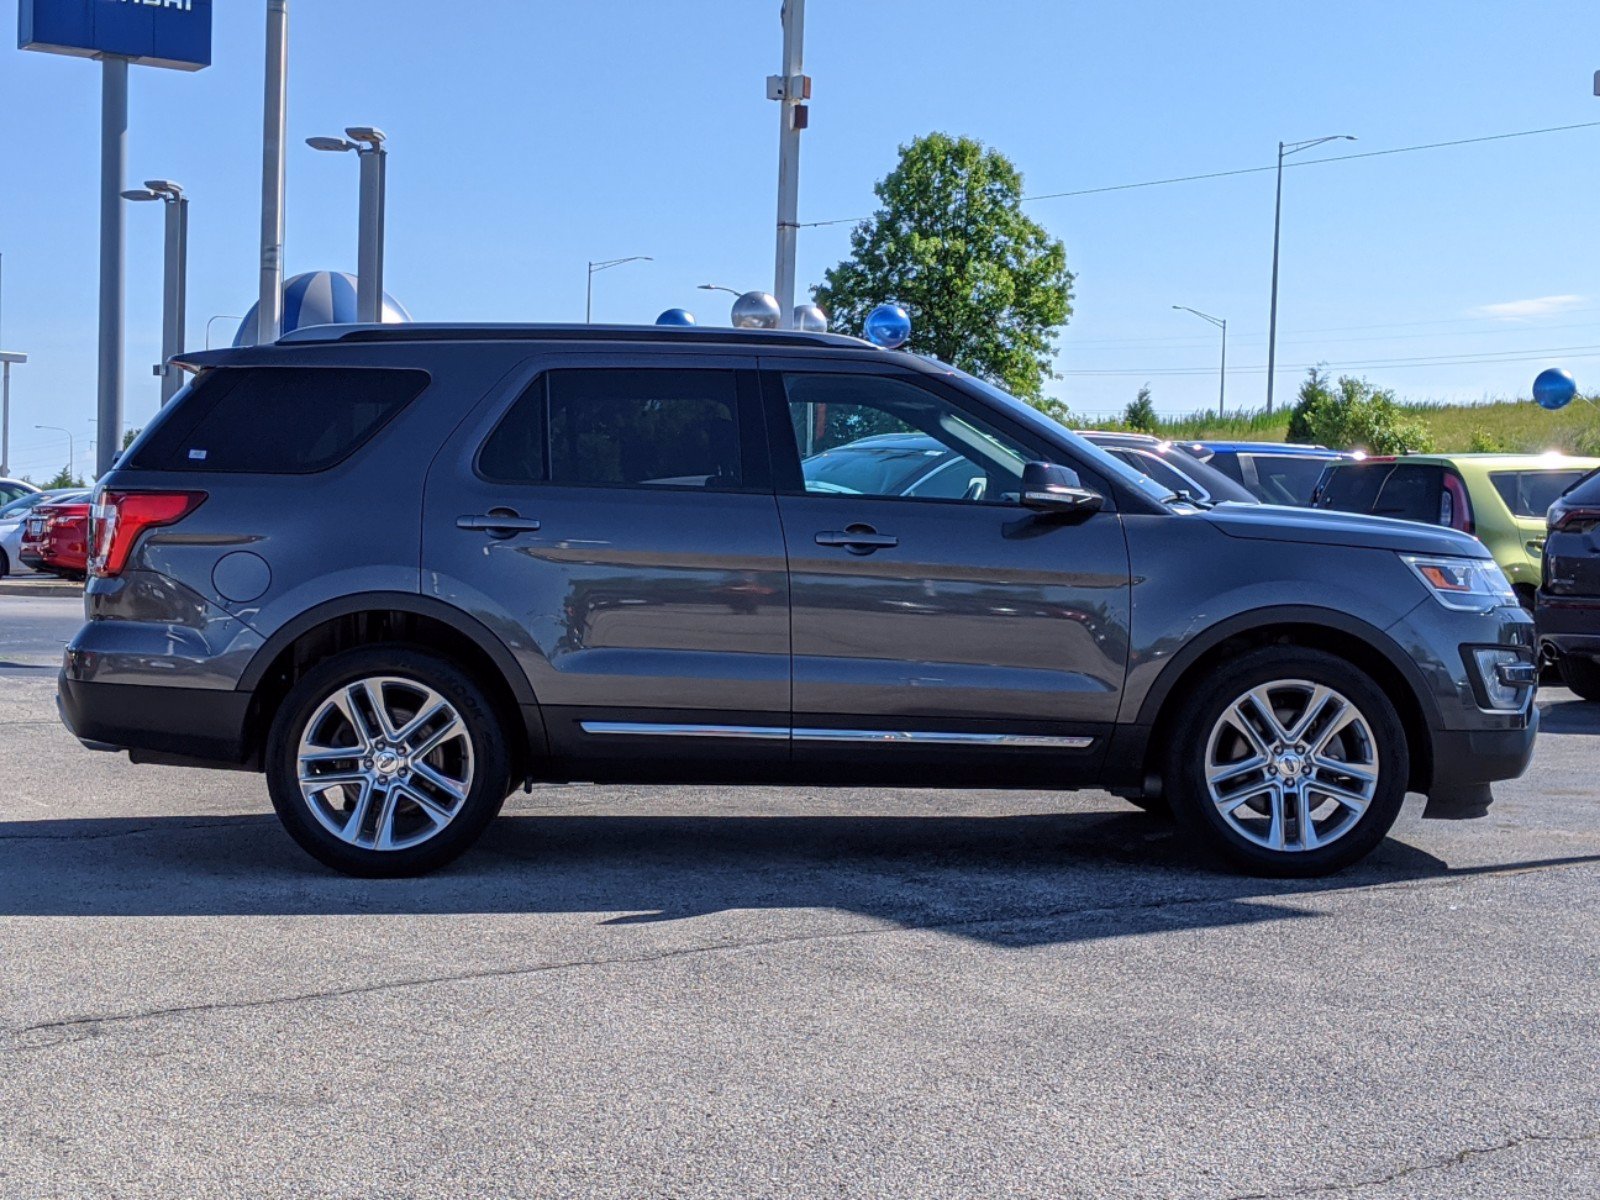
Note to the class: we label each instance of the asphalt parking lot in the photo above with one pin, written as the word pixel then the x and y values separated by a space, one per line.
pixel 762 992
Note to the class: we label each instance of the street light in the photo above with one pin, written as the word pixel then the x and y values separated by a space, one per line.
pixel 72 448
pixel 588 297
pixel 1284 150
pixel 717 287
pixel 1222 387
pixel 174 288
pixel 7 357
pixel 367 142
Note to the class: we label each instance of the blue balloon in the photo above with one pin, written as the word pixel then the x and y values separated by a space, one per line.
pixel 676 316
pixel 888 326
pixel 1554 388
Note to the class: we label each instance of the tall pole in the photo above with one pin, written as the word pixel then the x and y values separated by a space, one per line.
pixel 792 89
pixel 588 298
pixel 1222 382
pixel 369 255
pixel 174 301
pixel 269 314
pixel 1272 323
pixel 5 417
pixel 113 166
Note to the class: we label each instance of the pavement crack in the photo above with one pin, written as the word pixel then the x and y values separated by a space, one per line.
pixel 1440 1163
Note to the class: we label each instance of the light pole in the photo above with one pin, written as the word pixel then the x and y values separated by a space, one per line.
pixel 1284 150
pixel 274 123
pixel 174 302
pixel 72 448
pixel 588 298
pixel 367 142
pixel 7 357
pixel 1222 386
pixel 792 89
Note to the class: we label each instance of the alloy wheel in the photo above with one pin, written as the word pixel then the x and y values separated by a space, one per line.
pixel 385 763
pixel 1291 765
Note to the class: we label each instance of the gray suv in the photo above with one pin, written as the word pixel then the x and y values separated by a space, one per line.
pixel 405 569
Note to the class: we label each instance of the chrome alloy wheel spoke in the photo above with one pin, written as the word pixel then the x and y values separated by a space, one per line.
pixel 385 763
pixel 1291 765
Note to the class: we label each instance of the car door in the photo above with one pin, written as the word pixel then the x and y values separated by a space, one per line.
pixel 612 518
pixel 940 631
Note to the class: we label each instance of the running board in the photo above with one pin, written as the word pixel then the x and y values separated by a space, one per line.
pixel 1030 741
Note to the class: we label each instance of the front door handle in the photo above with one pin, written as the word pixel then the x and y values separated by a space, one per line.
pixel 498 522
pixel 858 539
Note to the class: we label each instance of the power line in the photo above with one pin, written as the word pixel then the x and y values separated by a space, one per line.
pixel 1441 360
pixel 1309 162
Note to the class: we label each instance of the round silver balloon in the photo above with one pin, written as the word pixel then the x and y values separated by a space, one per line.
pixel 676 316
pixel 810 319
pixel 888 326
pixel 756 310
pixel 1554 388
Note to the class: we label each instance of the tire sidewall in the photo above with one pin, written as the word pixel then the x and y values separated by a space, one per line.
pixel 491 762
pixel 1185 766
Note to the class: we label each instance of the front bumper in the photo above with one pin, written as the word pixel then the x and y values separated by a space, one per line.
pixel 187 726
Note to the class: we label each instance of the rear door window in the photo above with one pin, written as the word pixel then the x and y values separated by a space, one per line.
pixel 275 420
pixel 1354 488
pixel 1412 492
pixel 1531 493
pixel 1286 478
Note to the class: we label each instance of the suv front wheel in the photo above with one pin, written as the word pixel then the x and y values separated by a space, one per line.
pixel 1289 761
pixel 386 761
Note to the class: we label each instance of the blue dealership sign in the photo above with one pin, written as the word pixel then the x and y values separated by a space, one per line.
pixel 156 33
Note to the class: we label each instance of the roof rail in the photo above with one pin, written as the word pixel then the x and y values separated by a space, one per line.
pixel 412 331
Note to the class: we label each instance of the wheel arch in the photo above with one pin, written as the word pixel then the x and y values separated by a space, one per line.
pixel 392 617
pixel 1363 645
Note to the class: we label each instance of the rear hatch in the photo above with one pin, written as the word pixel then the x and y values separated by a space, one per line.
pixel 1572 551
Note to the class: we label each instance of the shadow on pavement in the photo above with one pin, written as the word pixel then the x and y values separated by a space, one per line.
pixel 1011 880
pixel 1569 716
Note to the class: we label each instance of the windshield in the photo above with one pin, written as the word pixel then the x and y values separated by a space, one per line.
pixel 1105 463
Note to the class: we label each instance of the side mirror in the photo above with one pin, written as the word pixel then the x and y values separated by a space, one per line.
pixel 1052 489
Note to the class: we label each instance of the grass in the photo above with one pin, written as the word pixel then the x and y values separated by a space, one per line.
pixel 1511 426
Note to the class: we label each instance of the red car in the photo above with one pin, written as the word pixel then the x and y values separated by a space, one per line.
pixel 55 538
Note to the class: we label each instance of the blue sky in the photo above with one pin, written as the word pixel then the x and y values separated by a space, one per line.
pixel 528 138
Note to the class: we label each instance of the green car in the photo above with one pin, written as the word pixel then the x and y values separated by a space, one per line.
pixel 1500 498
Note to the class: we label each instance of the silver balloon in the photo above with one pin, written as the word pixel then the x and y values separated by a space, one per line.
pixel 756 310
pixel 808 318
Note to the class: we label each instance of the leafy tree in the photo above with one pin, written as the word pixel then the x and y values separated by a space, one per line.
pixel 63 478
pixel 128 435
pixel 1140 415
pixel 1352 414
pixel 987 288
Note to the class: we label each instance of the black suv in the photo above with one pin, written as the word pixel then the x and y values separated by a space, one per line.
pixel 404 569
pixel 1567 608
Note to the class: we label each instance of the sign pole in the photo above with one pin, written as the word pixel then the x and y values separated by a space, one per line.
pixel 269 313
pixel 113 169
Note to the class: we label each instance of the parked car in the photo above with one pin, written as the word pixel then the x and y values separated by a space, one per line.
pixel 1500 498
pixel 604 562
pixel 1171 467
pixel 1273 472
pixel 1568 607
pixel 14 489
pixel 12 516
pixel 55 536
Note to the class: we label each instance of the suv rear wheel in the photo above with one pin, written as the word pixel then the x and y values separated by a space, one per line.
pixel 386 761
pixel 1289 761
pixel 1582 675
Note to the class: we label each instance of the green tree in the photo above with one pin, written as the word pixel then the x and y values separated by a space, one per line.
pixel 1354 415
pixel 63 478
pixel 128 435
pixel 987 288
pixel 1140 415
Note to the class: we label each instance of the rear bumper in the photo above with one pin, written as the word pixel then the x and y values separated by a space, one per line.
pixel 185 726
pixel 1568 625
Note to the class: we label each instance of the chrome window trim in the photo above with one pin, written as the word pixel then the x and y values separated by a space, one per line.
pixel 777 732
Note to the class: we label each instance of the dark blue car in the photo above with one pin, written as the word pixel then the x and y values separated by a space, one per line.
pixel 1274 472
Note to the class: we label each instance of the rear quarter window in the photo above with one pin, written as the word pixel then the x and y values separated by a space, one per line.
pixel 275 420
pixel 1531 493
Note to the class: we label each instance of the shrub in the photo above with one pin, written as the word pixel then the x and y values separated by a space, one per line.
pixel 1140 415
pixel 1354 415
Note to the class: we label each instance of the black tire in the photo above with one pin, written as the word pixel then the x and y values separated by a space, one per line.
pixel 5 565
pixel 1203 709
pixel 1582 676
pixel 489 769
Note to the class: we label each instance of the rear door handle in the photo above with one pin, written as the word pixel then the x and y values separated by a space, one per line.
pixel 498 523
pixel 858 539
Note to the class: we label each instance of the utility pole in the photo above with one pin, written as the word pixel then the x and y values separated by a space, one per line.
pixel 269 312
pixel 792 89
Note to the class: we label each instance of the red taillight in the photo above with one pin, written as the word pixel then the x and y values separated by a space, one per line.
pixel 1575 520
pixel 118 518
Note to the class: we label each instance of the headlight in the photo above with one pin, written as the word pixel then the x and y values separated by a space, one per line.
pixel 1464 584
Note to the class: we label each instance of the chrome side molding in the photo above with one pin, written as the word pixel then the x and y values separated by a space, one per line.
pixel 779 732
